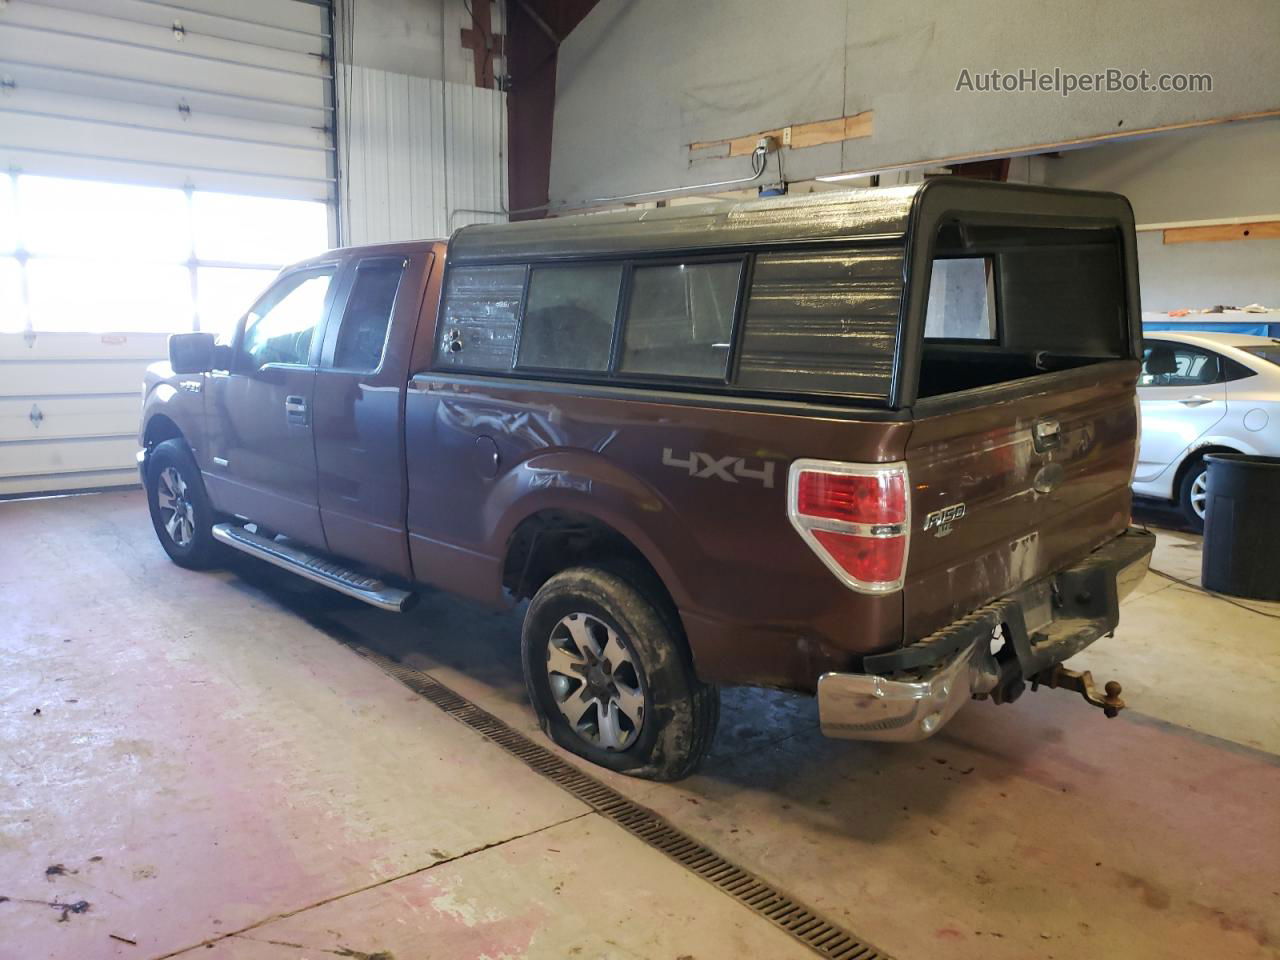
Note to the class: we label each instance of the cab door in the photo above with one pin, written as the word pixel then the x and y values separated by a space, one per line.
pixel 1182 395
pixel 261 446
pixel 359 409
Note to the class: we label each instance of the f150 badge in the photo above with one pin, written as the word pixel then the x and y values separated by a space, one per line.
pixel 940 521
pixel 731 469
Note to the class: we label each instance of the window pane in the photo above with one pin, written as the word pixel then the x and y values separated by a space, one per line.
pixel 363 333
pixel 94 296
pixel 681 319
pixel 280 326
pixel 12 313
pixel 478 328
pixel 8 216
pixel 1166 364
pixel 257 229
pixel 961 305
pixel 225 294
pixel 568 322
pixel 1269 353
pixel 83 218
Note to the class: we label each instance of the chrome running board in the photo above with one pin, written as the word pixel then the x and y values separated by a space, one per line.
pixel 316 569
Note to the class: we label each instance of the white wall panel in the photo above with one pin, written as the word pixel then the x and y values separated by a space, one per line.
pixel 419 154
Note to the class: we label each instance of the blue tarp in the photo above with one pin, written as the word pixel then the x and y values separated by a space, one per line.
pixel 1260 329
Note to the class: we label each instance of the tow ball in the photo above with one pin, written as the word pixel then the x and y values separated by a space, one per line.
pixel 1081 681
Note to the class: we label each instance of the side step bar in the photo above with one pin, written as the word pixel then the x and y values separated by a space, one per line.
pixel 305 564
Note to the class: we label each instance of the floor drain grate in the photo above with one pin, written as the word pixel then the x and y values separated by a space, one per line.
pixel 825 938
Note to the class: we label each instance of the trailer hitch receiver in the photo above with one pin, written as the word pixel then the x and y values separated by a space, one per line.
pixel 1081 681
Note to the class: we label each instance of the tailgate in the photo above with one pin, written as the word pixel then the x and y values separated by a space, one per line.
pixel 994 506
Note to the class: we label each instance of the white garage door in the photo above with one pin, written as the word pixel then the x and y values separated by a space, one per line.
pixel 158 162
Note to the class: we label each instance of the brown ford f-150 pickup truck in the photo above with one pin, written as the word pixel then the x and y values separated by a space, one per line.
pixel 874 445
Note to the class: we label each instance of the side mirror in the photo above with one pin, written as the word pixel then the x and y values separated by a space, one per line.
pixel 222 356
pixel 191 352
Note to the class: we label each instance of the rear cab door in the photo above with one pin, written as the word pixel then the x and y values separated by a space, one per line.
pixel 359 405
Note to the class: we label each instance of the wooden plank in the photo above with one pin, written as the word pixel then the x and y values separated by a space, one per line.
pixel 1206 222
pixel 25 458
pixel 803 135
pixel 85 346
pixel 1220 232
pixel 68 417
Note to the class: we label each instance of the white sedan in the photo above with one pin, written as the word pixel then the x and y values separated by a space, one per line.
pixel 1203 393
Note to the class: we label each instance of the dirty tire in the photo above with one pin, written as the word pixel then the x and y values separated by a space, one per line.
pixel 202 551
pixel 680 711
pixel 1188 488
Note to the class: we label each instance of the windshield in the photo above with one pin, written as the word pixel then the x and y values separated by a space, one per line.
pixel 1267 351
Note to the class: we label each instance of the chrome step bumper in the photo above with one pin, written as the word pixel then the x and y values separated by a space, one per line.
pixel 860 706
pixel 932 679
pixel 316 569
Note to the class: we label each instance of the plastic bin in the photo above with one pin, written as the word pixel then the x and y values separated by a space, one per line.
pixel 1242 526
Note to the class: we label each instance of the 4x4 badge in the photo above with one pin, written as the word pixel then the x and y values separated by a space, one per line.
pixel 940 521
pixel 732 469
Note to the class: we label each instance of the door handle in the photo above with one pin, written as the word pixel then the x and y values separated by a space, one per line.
pixel 295 410
pixel 1196 401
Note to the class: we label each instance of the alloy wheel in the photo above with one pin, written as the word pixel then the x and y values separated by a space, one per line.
pixel 1200 493
pixel 594 681
pixel 177 514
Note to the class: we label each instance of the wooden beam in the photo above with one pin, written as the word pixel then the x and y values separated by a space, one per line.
pixel 1218 233
pixel 484 44
pixel 799 135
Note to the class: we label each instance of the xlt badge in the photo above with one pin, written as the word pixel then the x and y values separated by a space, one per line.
pixel 940 521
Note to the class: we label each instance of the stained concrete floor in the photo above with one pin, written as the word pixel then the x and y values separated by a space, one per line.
pixel 198 765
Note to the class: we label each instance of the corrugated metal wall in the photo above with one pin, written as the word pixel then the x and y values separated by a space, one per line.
pixel 421 156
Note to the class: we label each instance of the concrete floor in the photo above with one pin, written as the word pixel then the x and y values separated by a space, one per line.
pixel 193 765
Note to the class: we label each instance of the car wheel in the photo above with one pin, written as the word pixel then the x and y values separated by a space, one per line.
pixel 610 675
pixel 1194 495
pixel 180 508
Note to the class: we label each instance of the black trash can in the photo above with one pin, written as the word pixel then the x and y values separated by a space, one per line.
pixel 1242 526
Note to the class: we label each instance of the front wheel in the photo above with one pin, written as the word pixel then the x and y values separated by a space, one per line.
pixel 610 675
pixel 1193 495
pixel 180 508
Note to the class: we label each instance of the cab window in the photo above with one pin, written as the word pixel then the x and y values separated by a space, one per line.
pixel 280 327
pixel 362 336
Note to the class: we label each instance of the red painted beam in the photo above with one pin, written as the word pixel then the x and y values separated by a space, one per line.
pixel 531 64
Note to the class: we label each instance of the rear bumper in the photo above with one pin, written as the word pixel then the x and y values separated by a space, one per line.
pixel 910 694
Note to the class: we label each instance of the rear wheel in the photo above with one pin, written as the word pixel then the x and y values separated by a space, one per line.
pixel 180 508
pixel 610 675
pixel 1193 495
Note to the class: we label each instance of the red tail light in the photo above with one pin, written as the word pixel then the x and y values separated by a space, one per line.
pixel 855 517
